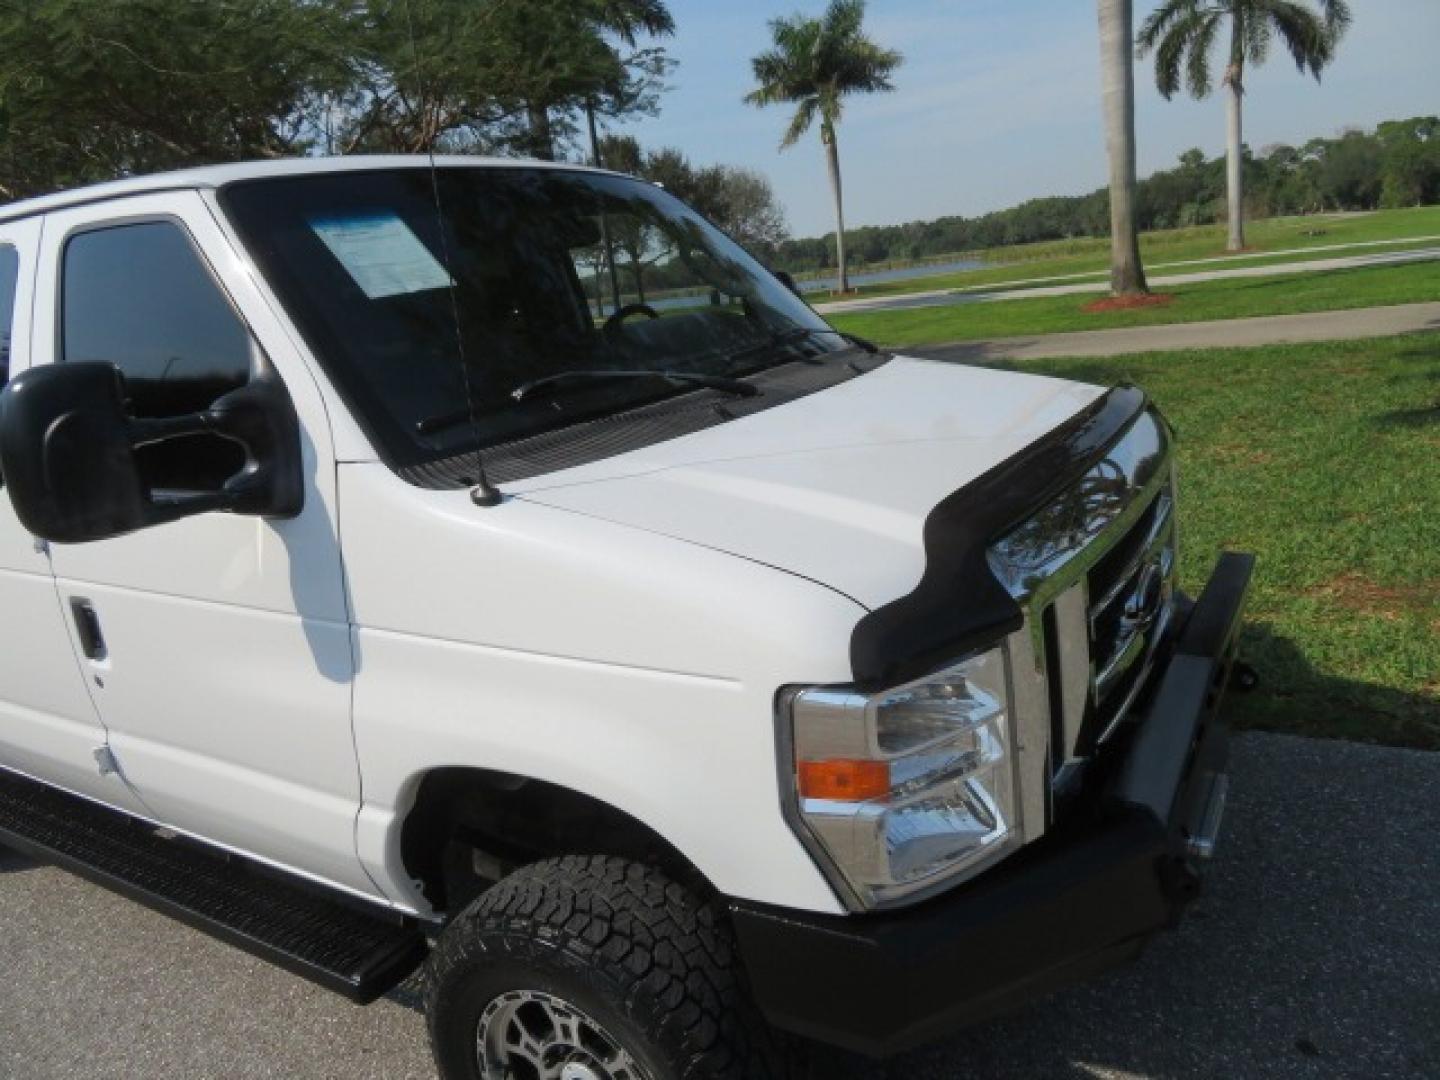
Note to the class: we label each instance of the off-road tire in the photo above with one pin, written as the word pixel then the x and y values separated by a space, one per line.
pixel 650 961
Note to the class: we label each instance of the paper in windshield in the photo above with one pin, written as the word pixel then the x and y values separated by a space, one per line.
pixel 381 254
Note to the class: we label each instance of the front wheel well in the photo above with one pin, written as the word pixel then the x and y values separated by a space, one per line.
pixel 470 828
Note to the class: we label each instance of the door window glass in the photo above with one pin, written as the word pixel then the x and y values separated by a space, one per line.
pixel 9 278
pixel 140 297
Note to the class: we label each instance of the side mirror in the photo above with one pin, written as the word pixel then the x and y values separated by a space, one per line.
pixel 67 453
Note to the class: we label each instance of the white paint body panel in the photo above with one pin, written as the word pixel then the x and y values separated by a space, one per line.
pixel 595 630
pixel 620 629
pixel 835 486
pixel 226 688
pixel 631 667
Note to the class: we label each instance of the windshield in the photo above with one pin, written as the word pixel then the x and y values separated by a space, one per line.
pixel 513 275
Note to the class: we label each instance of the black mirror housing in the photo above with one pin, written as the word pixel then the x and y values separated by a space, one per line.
pixel 261 418
pixel 67 453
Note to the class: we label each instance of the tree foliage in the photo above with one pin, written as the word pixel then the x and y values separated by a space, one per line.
pixel 740 201
pixel 1183 33
pixel 91 90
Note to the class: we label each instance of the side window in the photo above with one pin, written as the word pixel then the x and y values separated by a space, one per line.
pixel 9 278
pixel 141 298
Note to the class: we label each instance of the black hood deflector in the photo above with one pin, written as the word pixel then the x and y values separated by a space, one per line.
pixel 959 604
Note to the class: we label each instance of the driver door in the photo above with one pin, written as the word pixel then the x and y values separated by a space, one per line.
pixel 217 649
pixel 48 725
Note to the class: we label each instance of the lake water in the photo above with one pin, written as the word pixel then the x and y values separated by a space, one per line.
pixel 826 284
pixel 878 277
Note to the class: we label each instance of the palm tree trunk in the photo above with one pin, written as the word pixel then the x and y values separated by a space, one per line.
pixel 832 158
pixel 1127 274
pixel 1234 174
pixel 1234 135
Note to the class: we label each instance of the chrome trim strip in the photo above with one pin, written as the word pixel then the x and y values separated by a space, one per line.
pixel 1151 635
pixel 1056 546
pixel 790 804
pixel 1160 533
pixel 1131 649
pixel 1123 709
pixel 1072 630
pixel 1030 727
pixel 1202 845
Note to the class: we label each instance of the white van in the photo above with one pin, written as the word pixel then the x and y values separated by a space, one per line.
pixel 490 562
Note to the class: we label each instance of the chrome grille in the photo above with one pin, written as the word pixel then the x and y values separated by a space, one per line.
pixel 1133 584
pixel 1094 571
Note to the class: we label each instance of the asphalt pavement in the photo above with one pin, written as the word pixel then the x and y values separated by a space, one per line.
pixel 1315 953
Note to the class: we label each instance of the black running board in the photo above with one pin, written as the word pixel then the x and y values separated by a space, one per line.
pixel 331 941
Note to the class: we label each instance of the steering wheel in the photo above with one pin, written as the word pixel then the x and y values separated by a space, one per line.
pixel 612 324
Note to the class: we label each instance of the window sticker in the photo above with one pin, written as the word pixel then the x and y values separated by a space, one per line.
pixel 381 254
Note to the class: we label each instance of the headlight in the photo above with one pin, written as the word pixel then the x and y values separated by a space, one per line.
pixel 910 787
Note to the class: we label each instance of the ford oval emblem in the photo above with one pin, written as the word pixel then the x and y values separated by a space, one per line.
pixel 1143 603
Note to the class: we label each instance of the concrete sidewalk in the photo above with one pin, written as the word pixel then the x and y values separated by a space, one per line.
pixel 955 297
pixel 1221 334
pixel 1250 256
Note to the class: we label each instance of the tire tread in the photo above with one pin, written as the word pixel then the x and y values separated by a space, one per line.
pixel 656 951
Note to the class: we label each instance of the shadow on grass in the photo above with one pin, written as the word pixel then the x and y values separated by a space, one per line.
pixel 1423 362
pixel 1337 273
pixel 1427 347
pixel 1410 418
pixel 1297 698
pixel 1100 371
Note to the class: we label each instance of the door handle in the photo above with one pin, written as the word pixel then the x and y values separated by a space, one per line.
pixel 87 628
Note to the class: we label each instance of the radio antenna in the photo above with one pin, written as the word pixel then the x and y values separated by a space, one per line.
pixel 483 493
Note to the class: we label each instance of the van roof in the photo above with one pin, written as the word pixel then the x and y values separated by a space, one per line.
pixel 214 176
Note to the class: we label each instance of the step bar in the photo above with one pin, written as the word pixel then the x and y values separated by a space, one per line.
pixel 333 941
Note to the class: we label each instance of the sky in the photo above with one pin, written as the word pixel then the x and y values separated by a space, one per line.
pixel 999 101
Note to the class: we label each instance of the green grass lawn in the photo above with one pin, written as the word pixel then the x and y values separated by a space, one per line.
pixel 1323 460
pixel 1236 298
pixel 1091 255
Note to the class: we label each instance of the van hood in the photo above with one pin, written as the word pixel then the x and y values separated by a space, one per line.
pixel 834 487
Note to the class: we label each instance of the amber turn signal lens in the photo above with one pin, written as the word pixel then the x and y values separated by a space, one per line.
pixel 843 780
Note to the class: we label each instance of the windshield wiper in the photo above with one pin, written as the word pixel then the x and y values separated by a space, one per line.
pixel 432 424
pixel 739 387
pixel 795 335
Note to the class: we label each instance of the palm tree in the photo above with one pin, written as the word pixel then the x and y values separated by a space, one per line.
pixel 814 65
pixel 1182 32
pixel 1117 66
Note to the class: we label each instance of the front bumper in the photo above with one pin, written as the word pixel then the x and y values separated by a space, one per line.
pixel 1087 896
